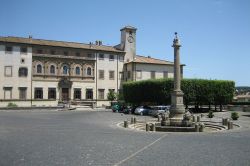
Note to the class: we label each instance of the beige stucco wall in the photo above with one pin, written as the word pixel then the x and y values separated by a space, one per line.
pixel 159 69
pixel 14 60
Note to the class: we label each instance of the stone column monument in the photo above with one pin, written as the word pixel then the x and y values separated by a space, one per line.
pixel 177 109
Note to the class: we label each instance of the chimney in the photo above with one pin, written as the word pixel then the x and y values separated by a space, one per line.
pixel 30 36
pixel 149 56
pixel 90 44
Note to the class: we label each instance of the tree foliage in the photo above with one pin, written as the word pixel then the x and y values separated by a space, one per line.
pixel 196 91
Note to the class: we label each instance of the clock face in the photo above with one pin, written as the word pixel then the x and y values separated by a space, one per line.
pixel 130 39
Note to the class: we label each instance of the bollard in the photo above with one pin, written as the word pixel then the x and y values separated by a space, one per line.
pixel 159 118
pixel 230 125
pixel 152 127
pixel 197 127
pixel 126 124
pixel 194 119
pixel 224 121
pixel 198 118
pixel 201 128
pixel 147 127
pixel 132 120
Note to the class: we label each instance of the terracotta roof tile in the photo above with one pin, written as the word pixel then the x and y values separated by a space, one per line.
pixel 58 43
pixel 149 60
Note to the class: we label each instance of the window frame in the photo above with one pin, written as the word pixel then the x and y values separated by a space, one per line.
pixel 138 74
pixel 52 93
pixel 38 95
pixel 8 51
pixel 5 73
pixel 101 57
pixel 39 69
pixel 101 73
pixel 111 59
pixel 77 94
pixel 23 72
pixel 89 69
pixel 101 94
pixel 152 74
pixel 22 93
pixel 77 71
pixel 111 73
pixel 89 94
pixel 52 72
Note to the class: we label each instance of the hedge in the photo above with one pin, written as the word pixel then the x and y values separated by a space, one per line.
pixel 196 91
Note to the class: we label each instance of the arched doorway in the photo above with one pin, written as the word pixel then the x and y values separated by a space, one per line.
pixel 65 89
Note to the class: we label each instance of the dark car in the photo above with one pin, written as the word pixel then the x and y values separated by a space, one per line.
pixel 129 109
pixel 142 110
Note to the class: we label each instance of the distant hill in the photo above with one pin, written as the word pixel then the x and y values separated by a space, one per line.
pixel 243 88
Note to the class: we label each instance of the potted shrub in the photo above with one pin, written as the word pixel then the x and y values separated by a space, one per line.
pixel 234 115
pixel 210 114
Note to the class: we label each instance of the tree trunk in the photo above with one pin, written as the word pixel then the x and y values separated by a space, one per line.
pixel 215 106
pixel 220 107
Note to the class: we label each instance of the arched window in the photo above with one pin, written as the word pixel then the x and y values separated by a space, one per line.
pixel 77 70
pixel 39 68
pixel 65 70
pixel 89 71
pixel 52 69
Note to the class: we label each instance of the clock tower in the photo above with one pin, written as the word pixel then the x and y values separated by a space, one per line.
pixel 128 42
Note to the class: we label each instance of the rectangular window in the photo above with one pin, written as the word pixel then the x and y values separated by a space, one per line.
pixel 128 74
pixel 101 56
pixel 39 51
pixel 78 54
pixel 8 71
pixel 121 76
pixel 138 74
pixel 52 52
pixel 23 50
pixel 111 75
pixel 22 93
pixel 8 50
pixel 111 57
pixel 101 94
pixel 121 58
pixel 90 55
pixel 77 94
pixel 7 92
pixel 23 72
pixel 152 74
pixel 65 53
pixel 89 94
pixel 101 74
pixel 52 93
pixel 38 93
pixel 165 74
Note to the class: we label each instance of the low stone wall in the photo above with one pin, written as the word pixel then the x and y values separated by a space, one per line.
pixel 245 108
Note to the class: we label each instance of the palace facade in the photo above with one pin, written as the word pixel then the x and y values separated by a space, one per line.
pixel 35 72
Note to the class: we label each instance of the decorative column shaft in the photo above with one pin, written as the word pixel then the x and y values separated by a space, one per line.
pixel 177 77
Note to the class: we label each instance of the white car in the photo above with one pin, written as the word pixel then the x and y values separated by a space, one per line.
pixel 158 110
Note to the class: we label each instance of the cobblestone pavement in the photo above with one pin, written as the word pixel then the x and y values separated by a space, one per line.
pixel 93 138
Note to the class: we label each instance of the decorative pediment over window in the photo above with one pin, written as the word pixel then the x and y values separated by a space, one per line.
pixel 65 83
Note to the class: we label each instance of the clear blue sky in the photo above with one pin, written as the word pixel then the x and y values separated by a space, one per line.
pixel 215 34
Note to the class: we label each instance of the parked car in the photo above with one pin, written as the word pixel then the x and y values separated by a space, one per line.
pixel 129 109
pixel 158 110
pixel 142 110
